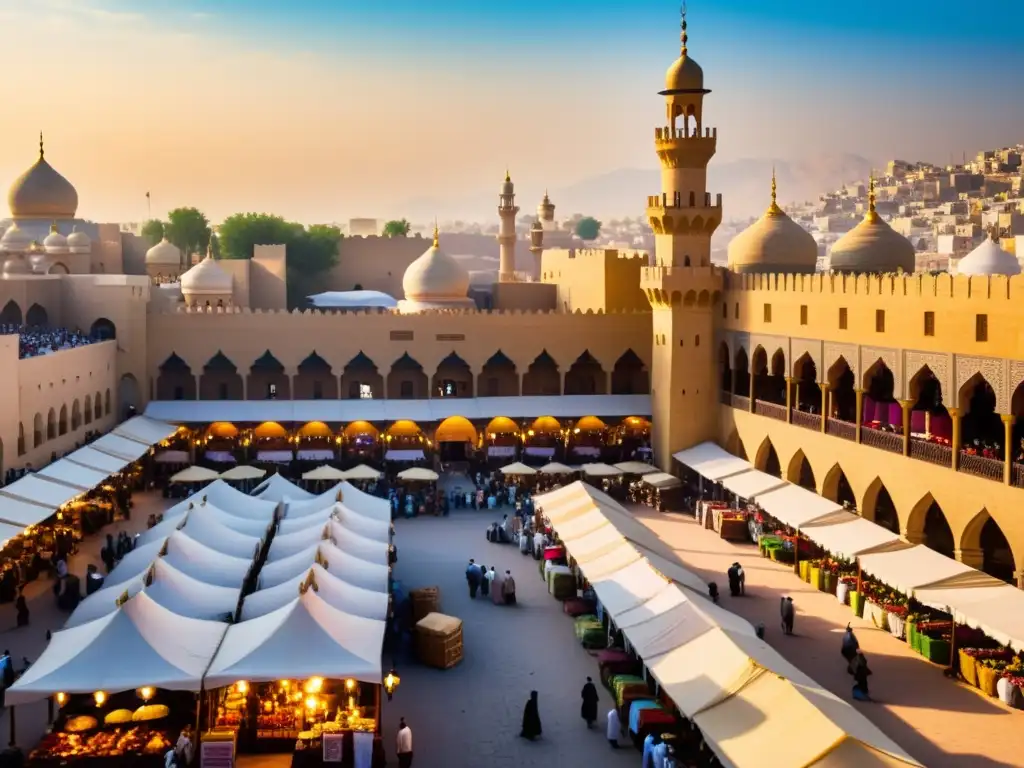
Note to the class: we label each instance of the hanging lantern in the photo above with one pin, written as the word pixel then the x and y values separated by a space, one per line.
pixel 391 682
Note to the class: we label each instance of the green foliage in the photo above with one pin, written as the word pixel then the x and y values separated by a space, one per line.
pixel 189 229
pixel 311 252
pixel 153 230
pixel 396 228
pixel 588 228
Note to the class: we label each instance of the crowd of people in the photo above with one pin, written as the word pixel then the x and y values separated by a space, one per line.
pixel 36 340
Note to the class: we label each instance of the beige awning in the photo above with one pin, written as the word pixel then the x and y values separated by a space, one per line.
pixel 418 473
pixel 195 474
pixel 362 472
pixel 243 472
pixel 600 470
pixel 662 480
pixel 518 468
pixel 554 468
pixel 636 468
pixel 325 472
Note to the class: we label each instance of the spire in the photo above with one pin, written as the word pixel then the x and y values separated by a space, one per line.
pixel 41 150
pixel 682 29
pixel 773 209
pixel 508 177
pixel 209 249
pixel 872 214
pixel 53 226
pixel 437 243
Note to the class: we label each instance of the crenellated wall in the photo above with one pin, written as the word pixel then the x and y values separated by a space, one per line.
pixel 597 279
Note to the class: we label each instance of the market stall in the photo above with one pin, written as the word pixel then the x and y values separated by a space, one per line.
pixel 357 601
pixel 276 488
pixel 368 574
pixel 243 472
pixel 556 469
pixel 543 438
pixel 202 562
pixel 210 532
pixel 314 441
pixel 501 438
pixel 195 475
pixel 324 473
pixel 361 441
pixel 234 502
pixel 361 473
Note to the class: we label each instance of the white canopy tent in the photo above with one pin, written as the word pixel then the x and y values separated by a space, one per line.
pixel 277 488
pixel 711 461
pixel 371 528
pixel 365 503
pixel 796 506
pixel 21 514
pixel 636 468
pixel 421 474
pixel 324 472
pixel 289 525
pixel 68 472
pixel 98 460
pixel 140 644
pixel 997 611
pixel 554 468
pixel 135 564
pixel 42 492
pixel 751 484
pixel 373 576
pixel 162 530
pixel 243 472
pixel 195 474
pixel 210 532
pixel 143 429
pixel 851 535
pixel 357 545
pixel 297 509
pixel 362 472
pixel 234 502
pixel 105 601
pixel 8 532
pixel 249 527
pixel 518 468
pixel 919 568
pixel 334 644
pixel 662 480
pixel 353 600
pixel 123 447
pixel 286 545
pixel 597 469
pixel 205 564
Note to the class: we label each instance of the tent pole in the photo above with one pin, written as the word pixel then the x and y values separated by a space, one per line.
pixel 796 552
pixel 858 576
pixel 952 643
pixel 380 709
pixel 14 727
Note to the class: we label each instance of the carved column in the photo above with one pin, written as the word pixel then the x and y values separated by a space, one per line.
pixel 824 406
pixel 906 405
pixel 859 395
pixel 954 414
pixel 789 400
pixel 753 380
pixel 796 393
pixel 1008 422
pixel 974 557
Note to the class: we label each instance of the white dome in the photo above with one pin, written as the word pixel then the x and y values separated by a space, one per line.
pixel 55 242
pixel 206 277
pixel 15 239
pixel 435 276
pixel 988 259
pixel 164 253
pixel 79 242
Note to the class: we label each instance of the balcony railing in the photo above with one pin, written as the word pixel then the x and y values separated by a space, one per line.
pixel 886 441
pixel 1017 476
pixel 933 453
pixel 843 429
pixel 725 397
pixel 807 420
pixel 980 466
pixel 741 402
pixel 771 410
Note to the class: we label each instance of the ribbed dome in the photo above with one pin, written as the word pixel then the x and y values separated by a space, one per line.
pixel 15 239
pixel 42 193
pixel 435 276
pixel 206 277
pixel 164 253
pixel 988 259
pixel 55 242
pixel 79 242
pixel 773 243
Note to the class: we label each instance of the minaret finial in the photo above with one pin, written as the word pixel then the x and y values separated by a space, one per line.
pixel 41 151
pixel 437 235
pixel 53 226
pixel 773 209
pixel 872 213
pixel 682 26
pixel 508 176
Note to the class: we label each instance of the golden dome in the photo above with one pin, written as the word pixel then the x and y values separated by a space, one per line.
pixel 164 254
pixel 435 276
pixel 685 74
pixel 206 277
pixel 55 242
pixel 873 246
pixel 42 193
pixel 773 243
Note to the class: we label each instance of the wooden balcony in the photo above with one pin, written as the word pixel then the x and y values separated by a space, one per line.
pixel 980 466
pixel 741 402
pixel 843 429
pixel 933 453
pixel 886 441
pixel 807 420
pixel 771 410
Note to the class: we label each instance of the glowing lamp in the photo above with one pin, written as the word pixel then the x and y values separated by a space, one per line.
pixel 391 682
pixel 242 687
pixel 314 685
pixel 100 698
pixel 146 693
pixel 576 431
pixel 530 433
pixel 62 699
pixel 311 703
pixel 350 684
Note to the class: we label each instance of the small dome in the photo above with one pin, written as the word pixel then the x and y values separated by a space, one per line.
pixel 988 259
pixel 685 74
pixel 15 239
pixel 42 193
pixel 79 242
pixel 773 243
pixel 507 187
pixel 435 276
pixel 164 253
pixel 16 265
pixel 206 277
pixel 55 242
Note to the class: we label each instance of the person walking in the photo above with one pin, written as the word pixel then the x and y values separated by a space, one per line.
pixel 403 744
pixel 614 728
pixel 531 719
pixel 859 670
pixel 850 647
pixel 508 586
pixel 21 608
pixel 588 709
pixel 788 613
pixel 485 581
pixel 473 578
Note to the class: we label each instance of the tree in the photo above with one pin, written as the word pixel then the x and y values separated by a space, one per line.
pixel 588 228
pixel 396 228
pixel 311 252
pixel 189 229
pixel 153 230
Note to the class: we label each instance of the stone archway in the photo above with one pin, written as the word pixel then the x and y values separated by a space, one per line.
pixel 175 381
pixel 498 377
pixel 586 377
pixel 542 377
pixel 879 508
pixel 129 395
pixel 453 378
pixel 630 376
pixel 983 545
pixel 734 445
pixel 315 380
pixel 927 525
pixel 11 314
pixel 406 380
pixel 37 317
pixel 268 380
pixel 800 472
pixel 220 380
pixel 767 459
pixel 836 487
pixel 103 330
pixel 360 379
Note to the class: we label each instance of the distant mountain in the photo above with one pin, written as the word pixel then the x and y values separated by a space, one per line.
pixel 744 184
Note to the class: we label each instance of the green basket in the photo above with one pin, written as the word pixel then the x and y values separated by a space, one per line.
pixel 857 603
pixel 912 634
pixel 936 651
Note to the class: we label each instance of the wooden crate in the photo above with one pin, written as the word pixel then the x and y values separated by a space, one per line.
pixel 424 602
pixel 438 641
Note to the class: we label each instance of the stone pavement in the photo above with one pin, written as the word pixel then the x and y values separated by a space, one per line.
pixel 470 715
pixel 938 721
pixel 44 615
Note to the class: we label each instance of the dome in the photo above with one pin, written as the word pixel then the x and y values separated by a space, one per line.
pixel 546 209
pixel 164 254
pixel 873 246
pixel 15 239
pixel 435 276
pixel 16 265
pixel 773 243
pixel 79 242
pixel 506 186
pixel 988 259
pixel 685 74
pixel 206 277
pixel 42 193
pixel 55 242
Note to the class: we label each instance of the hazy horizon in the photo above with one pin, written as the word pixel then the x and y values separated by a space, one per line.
pixel 320 113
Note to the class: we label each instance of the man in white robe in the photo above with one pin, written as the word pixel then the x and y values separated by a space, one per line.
pixel 614 728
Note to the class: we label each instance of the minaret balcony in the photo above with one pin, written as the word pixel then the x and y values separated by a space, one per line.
pixel 669 215
pixel 686 286
pixel 678 148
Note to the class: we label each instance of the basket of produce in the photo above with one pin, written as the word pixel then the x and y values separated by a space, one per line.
pixel 562 585
pixel 438 640
pixel 425 600
pixel 577 606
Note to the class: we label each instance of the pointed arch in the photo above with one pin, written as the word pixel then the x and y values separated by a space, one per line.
pixel 767 459
pixel 453 378
pixel 406 379
pixel 806 388
pixel 106 402
pixel 361 380
pixel 978 418
pixel 37 317
pixel 76 415
pixel 799 472
pixel 542 377
pixel 879 508
pixel 21 439
pixel 87 410
pixel 62 421
pixel 129 397
pixel 725 369
pixel 38 431
pixel 103 330
pixel 586 377
pixel 498 377
pixel 11 314
pixel 984 537
pixel 734 445
pixel 927 525
pixel 175 380
pixel 51 424
pixel 836 487
pixel 842 398
pixel 741 367
pixel 315 380
pixel 220 380
pixel 630 375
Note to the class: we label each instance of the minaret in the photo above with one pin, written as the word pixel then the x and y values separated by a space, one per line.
pixel 683 288
pixel 507 212
pixel 537 243
pixel 546 209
